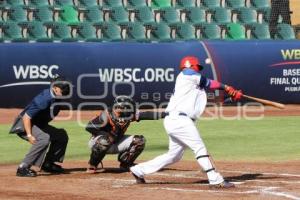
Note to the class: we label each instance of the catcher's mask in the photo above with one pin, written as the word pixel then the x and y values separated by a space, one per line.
pixel 123 110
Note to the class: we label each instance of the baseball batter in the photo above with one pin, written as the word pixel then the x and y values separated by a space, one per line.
pixel 186 105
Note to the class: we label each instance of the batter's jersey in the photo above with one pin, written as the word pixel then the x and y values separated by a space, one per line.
pixel 189 96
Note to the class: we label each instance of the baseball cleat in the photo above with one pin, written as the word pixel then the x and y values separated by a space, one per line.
pixel 139 180
pixel 25 172
pixel 224 184
pixel 52 168
pixel 91 170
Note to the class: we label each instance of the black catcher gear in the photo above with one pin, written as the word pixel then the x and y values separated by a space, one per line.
pixel 99 150
pixel 136 147
pixel 124 109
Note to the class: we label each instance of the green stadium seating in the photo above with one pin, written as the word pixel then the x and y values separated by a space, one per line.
pixel 181 4
pixel 169 15
pixel 210 31
pixel 247 15
pixel 87 3
pixel 63 2
pixel 68 14
pixel 38 2
pixel 93 14
pixel 144 15
pixel 44 14
pixel 88 32
pixel 61 32
pixel 211 3
pixel 260 4
pixel 260 31
pixel 38 32
pixel 285 32
pixel 112 3
pixel 160 32
pixel 136 3
pixel 15 2
pixel 118 15
pixel 235 31
pixel 12 31
pixel 221 15
pixel 111 32
pixel 135 32
pixel 195 15
pixel 235 3
pixel 185 31
pixel 17 13
pixel 158 4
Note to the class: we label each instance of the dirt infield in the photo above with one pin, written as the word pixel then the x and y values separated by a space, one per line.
pixel 181 181
pixel 8 115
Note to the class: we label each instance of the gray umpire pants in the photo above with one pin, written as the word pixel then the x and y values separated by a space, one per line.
pixel 50 146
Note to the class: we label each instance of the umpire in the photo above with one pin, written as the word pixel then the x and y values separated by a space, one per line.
pixel 48 143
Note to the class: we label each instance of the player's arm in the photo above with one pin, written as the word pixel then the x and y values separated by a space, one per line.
pixel 216 85
pixel 95 125
pixel 28 128
pixel 149 115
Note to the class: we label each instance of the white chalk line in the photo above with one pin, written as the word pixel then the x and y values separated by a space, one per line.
pixel 264 173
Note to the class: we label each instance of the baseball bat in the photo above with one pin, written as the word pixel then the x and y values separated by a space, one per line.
pixel 266 102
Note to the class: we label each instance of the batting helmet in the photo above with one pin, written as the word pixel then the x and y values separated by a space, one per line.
pixel 190 62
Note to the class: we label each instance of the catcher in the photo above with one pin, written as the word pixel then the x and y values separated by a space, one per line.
pixel 108 134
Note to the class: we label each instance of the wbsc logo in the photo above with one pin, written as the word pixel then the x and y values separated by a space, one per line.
pixel 32 75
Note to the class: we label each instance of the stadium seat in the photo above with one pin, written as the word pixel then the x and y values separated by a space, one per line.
pixel 285 32
pixel 260 4
pixel 63 2
pixel 45 14
pixel 17 13
pixel 38 2
pixel 169 15
pixel 12 31
pixel 185 31
pixel 38 32
pixel 111 32
pixel 61 32
pixel 181 4
pixel 136 3
pixel 220 15
pixel 157 4
pixel 235 3
pixel 211 31
pixel 16 2
pixel 144 15
pixel 160 32
pixel 235 31
pixel 135 32
pixel 195 15
pixel 68 14
pixel 93 14
pixel 112 3
pixel 87 3
pixel 88 32
pixel 246 16
pixel 116 15
pixel 211 3
pixel 260 31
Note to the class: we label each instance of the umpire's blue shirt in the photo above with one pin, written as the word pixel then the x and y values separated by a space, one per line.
pixel 40 110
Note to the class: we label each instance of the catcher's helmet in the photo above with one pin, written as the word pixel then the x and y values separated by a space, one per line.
pixel 124 109
pixel 190 62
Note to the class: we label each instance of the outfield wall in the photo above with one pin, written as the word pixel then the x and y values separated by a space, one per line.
pixel 147 71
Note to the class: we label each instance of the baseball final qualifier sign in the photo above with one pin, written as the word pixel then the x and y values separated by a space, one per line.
pixel 147 71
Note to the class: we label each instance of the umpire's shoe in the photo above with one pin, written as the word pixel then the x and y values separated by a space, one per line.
pixel 52 168
pixel 139 180
pixel 224 184
pixel 25 172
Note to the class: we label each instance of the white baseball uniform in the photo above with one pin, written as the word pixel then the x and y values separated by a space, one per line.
pixel 186 105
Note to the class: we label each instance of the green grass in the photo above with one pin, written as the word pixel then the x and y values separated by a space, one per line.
pixel 270 139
